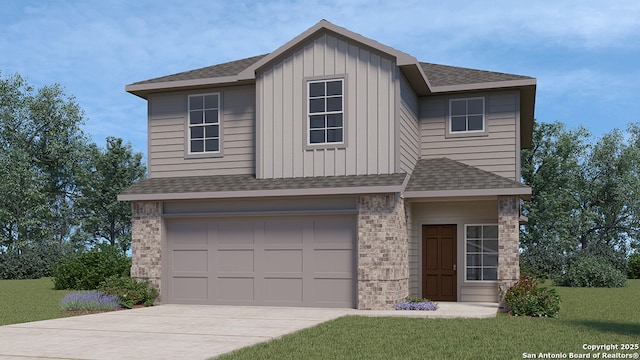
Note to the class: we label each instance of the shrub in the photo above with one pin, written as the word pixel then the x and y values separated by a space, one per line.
pixel 130 291
pixel 86 270
pixel 32 263
pixel 413 303
pixel 89 301
pixel 525 298
pixel 590 271
pixel 633 266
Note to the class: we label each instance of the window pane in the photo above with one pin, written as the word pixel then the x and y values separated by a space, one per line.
pixel 316 105
pixel 491 245
pixel 459 123
pixel 211 131
pixel 316 89
pixel 475 106
pixel 475 123
pixel 474 232
pixel 212 145
pixel 334 120
pixel 334 135
pixel 316 136
pixel 474 260
pixel 211 116
pixel 197 132
pixel 334 88
pixel 474 274
pixel 195 117
pixel 316 121
pixel 474 245
pixel 195 102
pixel 490 260
pixel 458 107
pixel 490 232
pixel 197 145
pixel 334 104
pixel 490 274
pixel 211 101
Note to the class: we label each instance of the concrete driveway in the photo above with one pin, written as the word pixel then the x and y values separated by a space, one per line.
pixel 159 332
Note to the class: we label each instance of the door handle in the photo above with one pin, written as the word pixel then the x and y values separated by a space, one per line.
pixel 455 267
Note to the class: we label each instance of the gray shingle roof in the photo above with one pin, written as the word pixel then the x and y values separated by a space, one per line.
pixel 446 174
pixel 445 75
pixel 243 183
pixel 438 75
pixel 231 68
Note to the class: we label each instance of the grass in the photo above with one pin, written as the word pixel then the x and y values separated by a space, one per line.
pixel 587 316
pixel 29 300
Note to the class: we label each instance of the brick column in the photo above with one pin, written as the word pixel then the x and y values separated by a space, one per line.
pixel 508 242
pixel 146 244
pixel 383 252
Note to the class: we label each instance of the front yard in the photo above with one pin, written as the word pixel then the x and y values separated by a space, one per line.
pixel 587 316
pixel 29 300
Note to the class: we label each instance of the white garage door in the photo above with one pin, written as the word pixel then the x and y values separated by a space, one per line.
pixel 282 260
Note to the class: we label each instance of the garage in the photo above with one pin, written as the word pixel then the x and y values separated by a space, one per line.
pixel 281 260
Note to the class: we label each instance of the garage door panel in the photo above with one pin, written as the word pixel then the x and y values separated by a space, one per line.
pixel 236 289
pixel 283 232
pixel 284 261
pixel 235 233
pixel 191 288
pixel 301 260
pixel 236 261
pixel 283 289
pixel 190 260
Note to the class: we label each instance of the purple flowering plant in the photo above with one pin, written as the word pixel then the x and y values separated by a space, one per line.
pixel 90 301
pixel 417 304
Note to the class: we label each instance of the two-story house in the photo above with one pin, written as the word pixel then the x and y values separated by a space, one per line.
pixel 333 172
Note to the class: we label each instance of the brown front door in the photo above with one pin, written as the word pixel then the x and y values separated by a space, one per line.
pixel 439 262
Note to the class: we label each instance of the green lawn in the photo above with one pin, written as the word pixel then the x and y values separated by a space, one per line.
pixel 29 300
pixel 587 316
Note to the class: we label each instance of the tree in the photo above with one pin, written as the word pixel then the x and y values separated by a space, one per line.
pixel 112 171
pixel 585 196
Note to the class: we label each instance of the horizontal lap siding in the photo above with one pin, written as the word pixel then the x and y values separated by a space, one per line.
pixel 167 119
pixel 409 132
pixel 496 152
pixel 369 98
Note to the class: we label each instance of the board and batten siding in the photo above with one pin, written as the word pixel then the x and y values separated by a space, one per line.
pixel 409 132
pixel 369 104
pixel 497 152
pixel 167 122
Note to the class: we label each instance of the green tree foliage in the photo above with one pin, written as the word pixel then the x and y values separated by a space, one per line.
pixel 585 197
pixel 87 269
pixel 112 171
pixel 57 190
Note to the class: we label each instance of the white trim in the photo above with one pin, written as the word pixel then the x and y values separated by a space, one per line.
pixel 464 244
pixel 308 114
pixel 204 153
pixel 451 133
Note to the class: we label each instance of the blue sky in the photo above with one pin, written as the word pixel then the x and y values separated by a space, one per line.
pixel 585 54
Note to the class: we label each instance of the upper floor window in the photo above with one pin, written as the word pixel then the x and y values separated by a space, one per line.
pixel 481 249
pixel 466 115
pixel 204 124
pixel 326 111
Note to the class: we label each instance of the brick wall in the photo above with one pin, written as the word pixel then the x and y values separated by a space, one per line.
pixel 383 251
pixel 146 245
pixel 508 241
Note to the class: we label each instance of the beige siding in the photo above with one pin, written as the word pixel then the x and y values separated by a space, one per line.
pixel 167 121
pixel 408 130
pixel 370 81
pixel 448 213
pixel 497 152
pixel 414 255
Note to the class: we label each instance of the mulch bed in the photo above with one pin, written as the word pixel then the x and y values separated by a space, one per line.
pixel 87 312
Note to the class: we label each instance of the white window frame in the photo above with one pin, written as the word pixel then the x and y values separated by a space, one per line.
pixel 326 128
pixel 189 126
pixel 466 265
pixel 483 131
